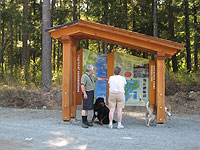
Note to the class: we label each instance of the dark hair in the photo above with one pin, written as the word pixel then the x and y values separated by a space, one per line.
pixel 117 70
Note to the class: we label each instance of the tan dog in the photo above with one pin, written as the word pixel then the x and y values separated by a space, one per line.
pixel 151 115
pixel 168 110
pixel 151 119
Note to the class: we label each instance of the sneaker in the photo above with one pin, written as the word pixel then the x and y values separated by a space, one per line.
pixel 110 126
pixel 120 127
pixel 84 125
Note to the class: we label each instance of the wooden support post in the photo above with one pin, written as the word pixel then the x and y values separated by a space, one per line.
pixel 74 81
pixel 110 70
pixel 160 87
pixel 67 78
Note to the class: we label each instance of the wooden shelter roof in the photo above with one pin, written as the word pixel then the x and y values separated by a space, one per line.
pixel 81 29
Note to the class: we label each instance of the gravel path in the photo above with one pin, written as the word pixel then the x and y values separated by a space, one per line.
pixel 23 129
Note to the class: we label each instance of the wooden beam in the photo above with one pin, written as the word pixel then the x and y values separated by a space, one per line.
pixel 74 81
pixel 67 76
pixel 56 34
pixel 120 37
pixel 160 87
pixel 76 28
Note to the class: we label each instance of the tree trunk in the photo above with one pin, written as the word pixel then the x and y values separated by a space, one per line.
pixel 10 57
pixel 46 47
pixel 133 24
pixel 54 41
pixel 172 37
pixel 58 55
pixel 0 35
pixel 195 39
pixel 125 15
pixel 74 10
pixel 105 16
pixel 54 55
pixel 187 31
pixel 25 33
pixel 25 54
pixel 4 41
pixel 155 26
pixel 34 44
pixel 87 9
pixel 87 44
pixel 133 18
pixel 99 46
pixel 1 51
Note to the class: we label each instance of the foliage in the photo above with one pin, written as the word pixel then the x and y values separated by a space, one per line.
pixel 134 15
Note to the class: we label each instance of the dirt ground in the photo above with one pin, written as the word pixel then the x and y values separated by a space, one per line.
pixel 39 129
pixel 32 120
pixel 182 102
pixel 185 103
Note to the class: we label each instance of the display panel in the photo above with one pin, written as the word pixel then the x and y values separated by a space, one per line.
pixel 136 72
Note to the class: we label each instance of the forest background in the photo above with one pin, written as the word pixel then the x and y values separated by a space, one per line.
pixel 30 59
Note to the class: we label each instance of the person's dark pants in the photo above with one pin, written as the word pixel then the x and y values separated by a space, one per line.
pixel 87 104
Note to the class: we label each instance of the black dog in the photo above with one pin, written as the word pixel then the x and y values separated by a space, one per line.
pixel 101 111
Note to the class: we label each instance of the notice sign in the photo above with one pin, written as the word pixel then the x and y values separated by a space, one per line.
pixel 78 73
pixel 136 72
pixel 152 82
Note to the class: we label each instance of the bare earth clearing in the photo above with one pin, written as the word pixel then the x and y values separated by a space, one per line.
pixel 34 126
pixel 182 102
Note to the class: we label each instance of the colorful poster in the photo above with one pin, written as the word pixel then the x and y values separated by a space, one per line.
pixel 99 61
pixel 136 72
pixel 134 69
pixel 101 71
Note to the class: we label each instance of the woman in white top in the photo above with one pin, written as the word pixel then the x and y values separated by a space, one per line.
pixel 117 84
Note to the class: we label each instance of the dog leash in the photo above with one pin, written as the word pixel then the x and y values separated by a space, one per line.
pixel 89 77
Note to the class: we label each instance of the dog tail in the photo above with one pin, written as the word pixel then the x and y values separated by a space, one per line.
pixel 147 107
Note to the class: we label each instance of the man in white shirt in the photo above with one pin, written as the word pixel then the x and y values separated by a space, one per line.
pixel 117 84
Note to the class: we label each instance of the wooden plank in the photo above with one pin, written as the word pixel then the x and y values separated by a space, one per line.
pixel 69 30
pixel 56 34
pixel 131 40
pixel 79 69
pixel 152 82
pixel 74 81
pixel 110 70
pixel 67 76
pixel 160 87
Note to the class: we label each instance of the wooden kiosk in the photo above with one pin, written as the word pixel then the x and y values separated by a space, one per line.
pixel 69 34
